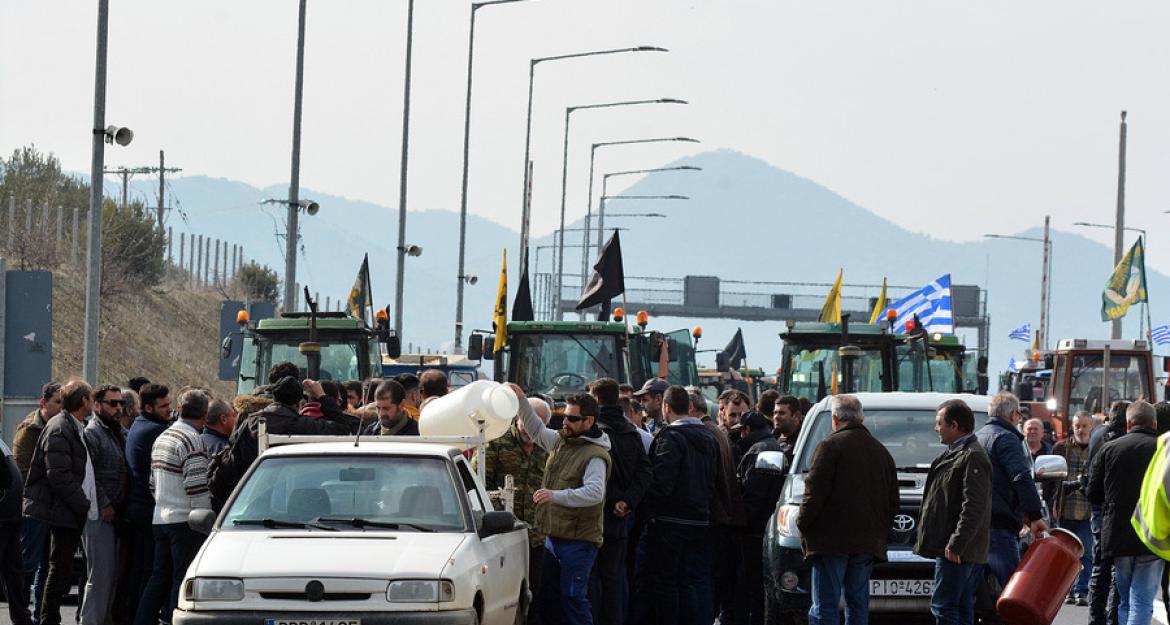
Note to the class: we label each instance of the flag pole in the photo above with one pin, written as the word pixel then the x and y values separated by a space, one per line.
pixel 369 288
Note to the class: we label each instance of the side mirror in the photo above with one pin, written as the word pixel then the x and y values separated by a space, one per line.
pixel 1049 362
pixel 393 346
pixel 1050 468
pixel 225 348
pixel 475 347
pixel 500 522
pixel 772 462
pixel 722 362
pixel 201 520
pixel 489 344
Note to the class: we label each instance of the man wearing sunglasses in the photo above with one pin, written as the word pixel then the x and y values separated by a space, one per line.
pixel 106 444
pixel 570 505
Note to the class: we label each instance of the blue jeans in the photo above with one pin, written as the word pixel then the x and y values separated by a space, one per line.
pixel 1137 584
pixel 175 546
pixel 953 599
pixel 1003 554
pixel 34 545
pixel 832 574
pixel 1084 531
pixel 565 581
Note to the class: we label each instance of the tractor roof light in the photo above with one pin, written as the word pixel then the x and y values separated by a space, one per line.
pixel 697 333
pixel 242 317
pixel 619 314
pixel 643 319
pixel 381 316
pixel 891 316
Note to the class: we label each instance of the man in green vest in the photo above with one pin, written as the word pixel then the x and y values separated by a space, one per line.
pixel 570 504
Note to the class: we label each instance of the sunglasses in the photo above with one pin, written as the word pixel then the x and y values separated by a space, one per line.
pixel 112 402
pixel 575 418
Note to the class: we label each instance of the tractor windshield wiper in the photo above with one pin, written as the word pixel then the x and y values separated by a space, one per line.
pixel 363 523
pixel 591 355
pixel 275 523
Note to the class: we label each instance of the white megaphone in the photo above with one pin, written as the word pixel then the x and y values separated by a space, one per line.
pixel 459 412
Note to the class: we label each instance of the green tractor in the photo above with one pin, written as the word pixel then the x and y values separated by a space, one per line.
pixel 822 358
pixel 559 358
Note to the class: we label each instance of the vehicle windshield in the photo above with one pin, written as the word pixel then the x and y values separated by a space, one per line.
pixel 391 490
pixel 1127 381
pixel 811 371
pixel 339 361
pixel 919 373
pixel 908 435
pixel 557 364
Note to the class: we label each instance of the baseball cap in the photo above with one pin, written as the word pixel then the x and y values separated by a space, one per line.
pixel 653 385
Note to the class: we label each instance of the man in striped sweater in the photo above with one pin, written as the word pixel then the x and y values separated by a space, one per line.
pixel 178 477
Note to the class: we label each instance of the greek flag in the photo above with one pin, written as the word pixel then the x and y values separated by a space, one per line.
pixel 1160 335
pixel 1022 333
pixel 1012 365
pixel 932 304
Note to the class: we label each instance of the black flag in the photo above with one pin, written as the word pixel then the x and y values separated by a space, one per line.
pixel 522 305
pixel 609 279
pixel 735 353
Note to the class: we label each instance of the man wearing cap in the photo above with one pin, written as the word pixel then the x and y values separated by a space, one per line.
pixel 761 489
pixel 651 397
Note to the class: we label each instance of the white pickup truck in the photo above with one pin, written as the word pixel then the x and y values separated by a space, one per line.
pixel 374 533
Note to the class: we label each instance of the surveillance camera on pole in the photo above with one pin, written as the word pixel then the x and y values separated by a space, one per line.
pixel 119 134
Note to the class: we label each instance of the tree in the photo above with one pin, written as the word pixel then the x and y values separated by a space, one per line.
pixel 133 249
pixel 258 282
pixel 30 174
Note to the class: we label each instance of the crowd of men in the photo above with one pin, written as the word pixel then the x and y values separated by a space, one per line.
pixel 112 474
pixel 646 506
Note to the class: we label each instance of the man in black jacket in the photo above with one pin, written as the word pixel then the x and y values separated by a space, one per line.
pixel 683 456
pixel 11 563
pixel 761 489
pixel 392 417
pixel 628 480
pixel 56 492
pixel 1102 591
pixel 1115 481
pixel 956 514
pixel 280 417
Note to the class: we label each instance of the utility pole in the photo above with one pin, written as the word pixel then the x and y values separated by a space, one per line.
pixel 401 269
pixel 93 277
pixel 127 172
pixel 1042 331
pixel 1119 231
pixel 294 186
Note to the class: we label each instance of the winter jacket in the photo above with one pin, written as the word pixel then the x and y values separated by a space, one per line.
pixel 1115 483
pixel 727 503
pixel 684 458
pixel 139 441
pixel 405 426
pixel 107 452
pixel 213 440
pixel 12 495
pixel 956 505
pixel 630 471
pixel 1014 498
pixel 230 464
pixel 850 495
pixel 53 492
pixel 25 440
pixel 506 456
pixel 761 488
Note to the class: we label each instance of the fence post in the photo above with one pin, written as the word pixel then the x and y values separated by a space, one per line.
pixel 60 222
pixel 191 262
pixel 11 219
pixel 170 247
pixel 199 263
pixel 206 259
pixel 73 239
pixel 45 216
pixel 28 211
pixel 215 273
pixel 182 237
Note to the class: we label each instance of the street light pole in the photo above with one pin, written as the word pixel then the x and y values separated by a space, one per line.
pixel 475 6
pixel 605 186
pixel 289 303
pixel 557 312
pixel 1045 279
pixel 93 278
pixel 589 202
pixel 401 269
pixel 1119 230
pixel 526 212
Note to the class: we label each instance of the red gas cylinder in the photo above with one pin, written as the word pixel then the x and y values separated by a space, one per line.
pixel 1040 584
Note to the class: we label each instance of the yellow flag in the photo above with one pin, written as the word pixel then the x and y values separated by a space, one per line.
pixel 880 306
pixel 500 317
pixel 831 311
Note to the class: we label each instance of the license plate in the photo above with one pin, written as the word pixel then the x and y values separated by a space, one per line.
pixel 312 621
pixel 900 587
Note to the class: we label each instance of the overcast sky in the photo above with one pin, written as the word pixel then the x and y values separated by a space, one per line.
pixel 953 118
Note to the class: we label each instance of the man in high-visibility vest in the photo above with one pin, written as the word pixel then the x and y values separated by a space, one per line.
pixel 1151 518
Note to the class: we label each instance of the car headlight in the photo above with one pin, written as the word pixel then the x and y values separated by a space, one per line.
pixel 786 521
pixel 420 591
pixel 214 589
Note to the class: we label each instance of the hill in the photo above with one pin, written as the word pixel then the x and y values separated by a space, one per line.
pixel 746 220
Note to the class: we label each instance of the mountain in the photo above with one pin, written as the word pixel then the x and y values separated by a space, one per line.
pixel 745 221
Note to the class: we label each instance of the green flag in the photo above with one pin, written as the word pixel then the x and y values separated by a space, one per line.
pixel 1127 285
